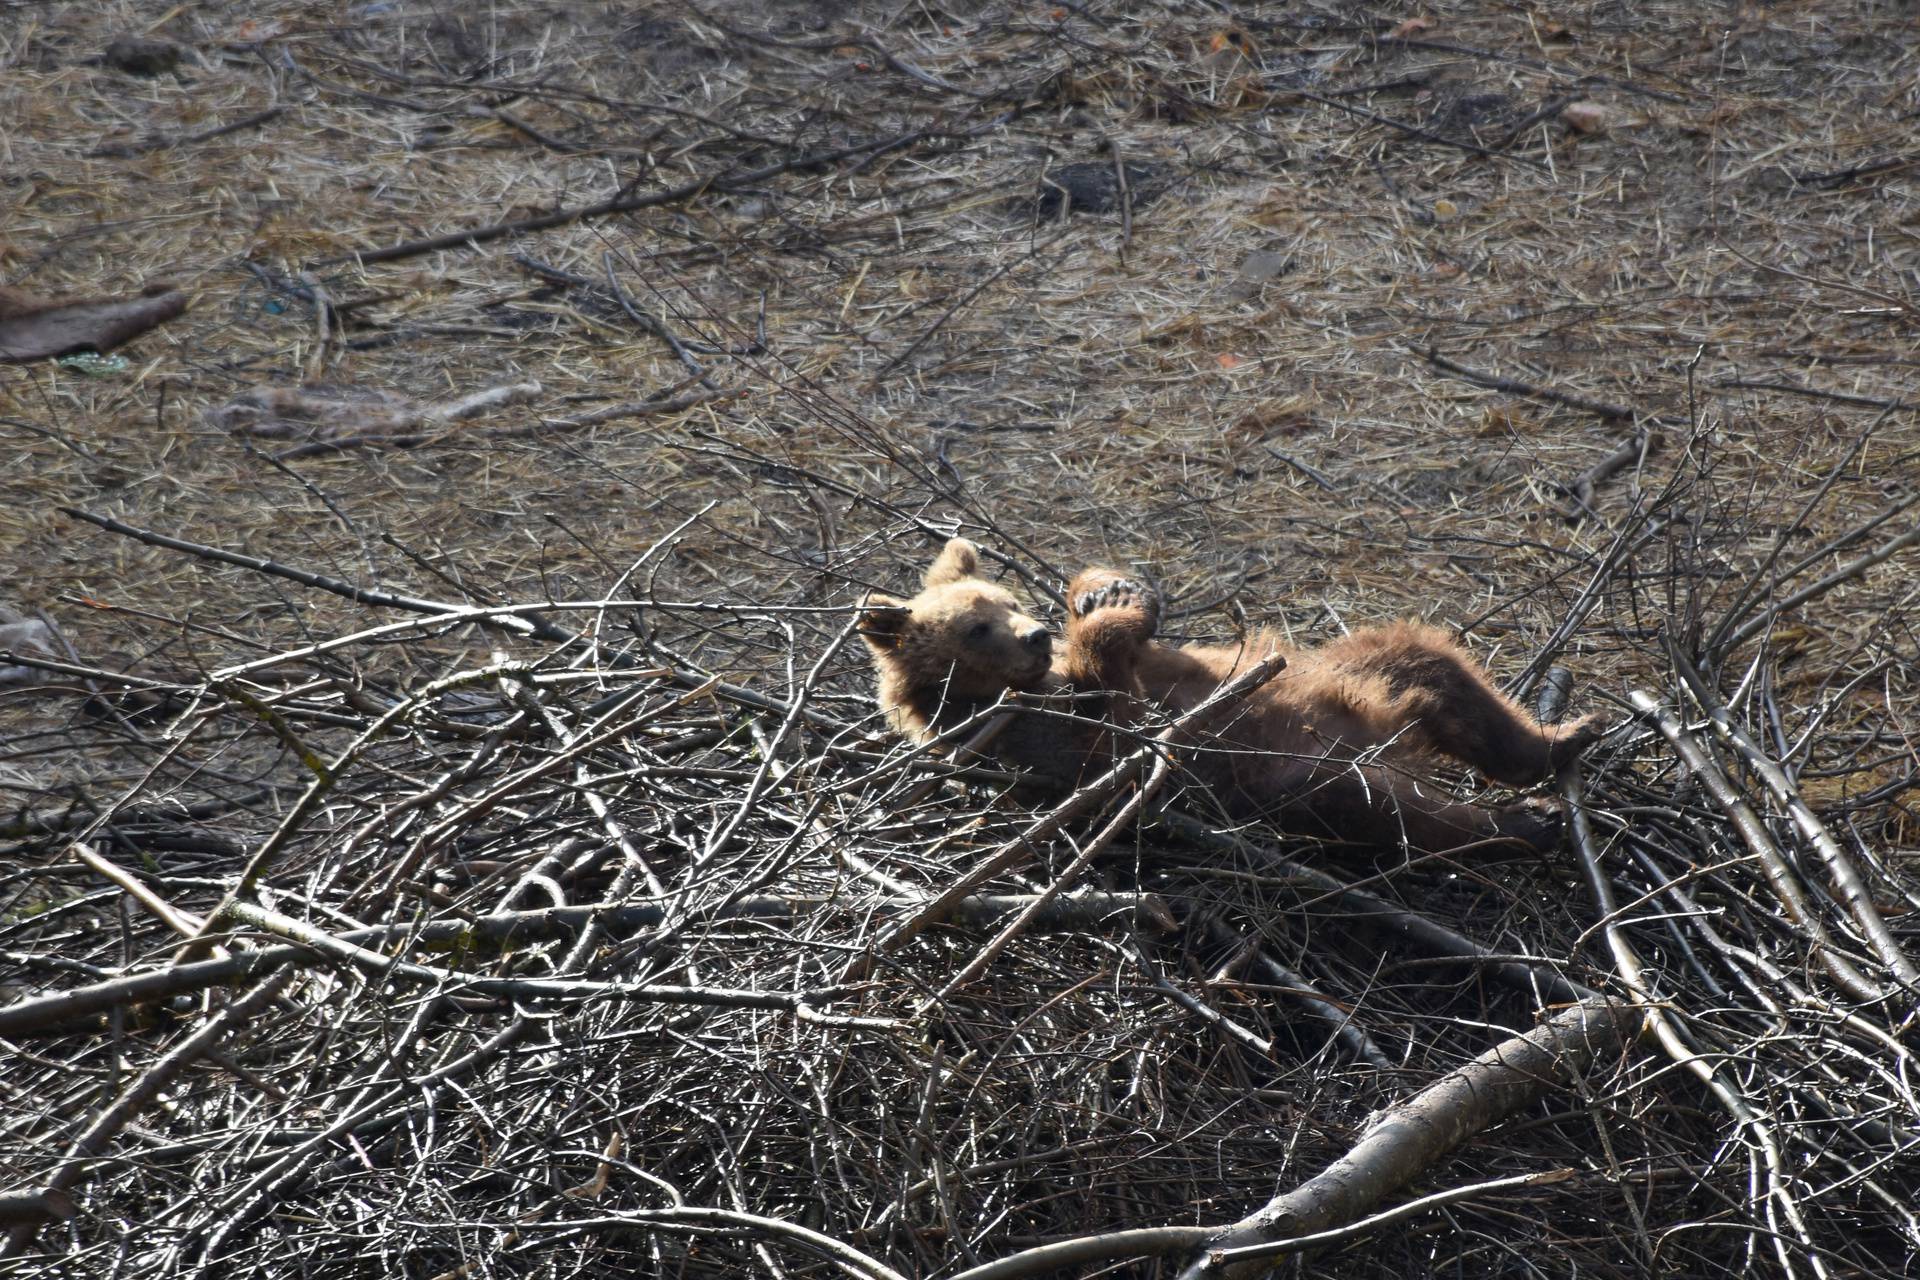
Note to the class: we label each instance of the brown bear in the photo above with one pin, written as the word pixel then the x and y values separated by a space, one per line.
pixel 1323 749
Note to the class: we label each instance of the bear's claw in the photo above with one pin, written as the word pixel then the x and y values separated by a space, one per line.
pixel 1118 593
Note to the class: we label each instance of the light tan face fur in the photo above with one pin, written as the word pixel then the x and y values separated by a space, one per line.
pixel 960 629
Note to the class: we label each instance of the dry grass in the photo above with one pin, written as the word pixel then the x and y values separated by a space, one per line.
pixel 869 353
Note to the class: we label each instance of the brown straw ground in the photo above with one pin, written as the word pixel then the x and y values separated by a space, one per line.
pixel 460 844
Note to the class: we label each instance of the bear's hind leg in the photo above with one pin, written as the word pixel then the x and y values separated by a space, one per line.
pixel 1439 694
pixel 1373 805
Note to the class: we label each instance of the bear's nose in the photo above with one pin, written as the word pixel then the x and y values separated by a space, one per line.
pixel 1037 638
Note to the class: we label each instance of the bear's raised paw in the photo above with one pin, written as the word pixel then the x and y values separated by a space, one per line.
pixel 1100 589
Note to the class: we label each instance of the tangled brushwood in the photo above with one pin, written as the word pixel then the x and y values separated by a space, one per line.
pixel 568 955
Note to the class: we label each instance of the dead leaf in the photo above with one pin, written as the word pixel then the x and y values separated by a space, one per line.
pixel 1411 27
pixel 1226 360
pixel 1505 422
pixel 1229 53
pixel 253 31
pixel 1286 417
pixel 34 328
pixel 1256 269
pixel 1587 117
pixel 1232 43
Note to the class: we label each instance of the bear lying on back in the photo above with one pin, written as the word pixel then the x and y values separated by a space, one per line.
pixel 1323 749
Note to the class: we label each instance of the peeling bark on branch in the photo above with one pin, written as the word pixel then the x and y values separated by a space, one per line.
pixel 1408 1140
pixel 1425 1128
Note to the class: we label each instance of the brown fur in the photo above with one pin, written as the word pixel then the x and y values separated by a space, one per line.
pixel 954 649
pixel 1323 749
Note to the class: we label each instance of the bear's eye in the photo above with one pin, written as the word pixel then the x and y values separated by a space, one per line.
pixel 978 631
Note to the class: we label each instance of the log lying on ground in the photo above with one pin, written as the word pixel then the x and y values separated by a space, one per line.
pixel 1422 1130
pixel 1408 1140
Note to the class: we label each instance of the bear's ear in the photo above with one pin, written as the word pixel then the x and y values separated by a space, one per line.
pixel 957 561
pixel 883 620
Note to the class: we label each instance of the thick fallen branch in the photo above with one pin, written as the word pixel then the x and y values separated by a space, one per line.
pixel 35 1207
pixel 1406 1141
pixel 33 328
pixel 1416 1134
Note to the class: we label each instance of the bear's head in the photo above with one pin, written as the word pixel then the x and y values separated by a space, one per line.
pixel 961 631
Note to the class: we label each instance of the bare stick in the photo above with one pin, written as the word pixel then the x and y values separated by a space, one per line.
pixel 1296 987
pixel 701 1218
pixel 1846 572
pixel 1535 978
pixel 1780 875
pixel 84 1152
pixel 1162 770
pixel 628 203
pixel 522 620
pixel 381 967
pixel 1748 591
pixel 157 141
pixel 1630 451
pixel 184 923
pixel 326 776
pixel 1399 1213
pixel 1848 887
pixel 1812 393
pixel 1411 130
pixel 60 1009
pixel 1514 386
pixel 1223 698
pixel 1126 198
pixel 1191 1003
pixel 1715 1073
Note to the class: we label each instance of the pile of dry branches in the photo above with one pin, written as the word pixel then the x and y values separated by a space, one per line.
pixel 564 952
